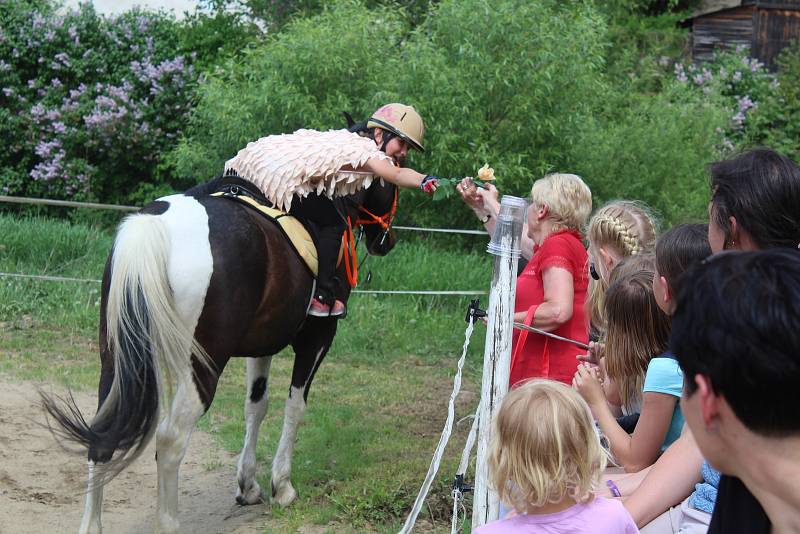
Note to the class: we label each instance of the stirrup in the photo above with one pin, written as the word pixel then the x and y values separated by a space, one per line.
pixel 320 309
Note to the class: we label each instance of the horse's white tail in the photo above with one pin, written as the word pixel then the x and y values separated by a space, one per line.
pixel 141 311
pixel 151 347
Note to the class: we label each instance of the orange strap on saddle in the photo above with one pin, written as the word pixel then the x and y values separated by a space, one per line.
pixel 348 241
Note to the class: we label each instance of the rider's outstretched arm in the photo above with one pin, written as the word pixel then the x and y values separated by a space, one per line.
pixel 399 176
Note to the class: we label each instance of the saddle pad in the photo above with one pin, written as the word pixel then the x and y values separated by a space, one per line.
pixel 294 230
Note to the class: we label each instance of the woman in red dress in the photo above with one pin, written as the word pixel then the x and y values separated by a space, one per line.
pixel 551 290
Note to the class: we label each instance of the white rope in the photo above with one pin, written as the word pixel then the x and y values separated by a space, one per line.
pixel 458 496
pixel 465 456
pixel 49 278
pixel 422 292
pixel 448 428
pixel 375 292
pixel 442 230
pixel 95 205
pixel 65 203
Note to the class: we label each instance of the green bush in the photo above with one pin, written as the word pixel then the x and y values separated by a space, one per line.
pixel 505 82
pixel 215 32
pixel 301 77
pixel 655 149
pixel 776 121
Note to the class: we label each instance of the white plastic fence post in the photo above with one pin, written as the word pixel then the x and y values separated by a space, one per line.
pixel 497 353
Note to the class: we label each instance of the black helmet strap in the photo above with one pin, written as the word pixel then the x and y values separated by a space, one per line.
pixel 386 137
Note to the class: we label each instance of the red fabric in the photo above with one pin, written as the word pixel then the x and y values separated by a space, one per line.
pixel 539 356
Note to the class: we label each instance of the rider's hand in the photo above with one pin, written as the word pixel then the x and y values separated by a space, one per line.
pixel 429 184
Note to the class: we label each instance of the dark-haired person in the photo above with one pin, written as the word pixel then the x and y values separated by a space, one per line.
pixel 755 204
pixel 735 331
pixel 678 249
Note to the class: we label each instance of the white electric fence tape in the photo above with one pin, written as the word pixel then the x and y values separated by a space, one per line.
pixel 458 495
pixel 446 431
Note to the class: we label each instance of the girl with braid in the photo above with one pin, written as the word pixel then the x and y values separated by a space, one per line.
pixel 619 229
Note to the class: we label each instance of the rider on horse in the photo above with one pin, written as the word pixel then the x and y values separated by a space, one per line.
pixel 301 173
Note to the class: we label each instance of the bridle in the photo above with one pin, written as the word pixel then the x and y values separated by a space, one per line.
pixel 349 243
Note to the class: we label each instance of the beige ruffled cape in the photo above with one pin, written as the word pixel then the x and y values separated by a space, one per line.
pixel 286 165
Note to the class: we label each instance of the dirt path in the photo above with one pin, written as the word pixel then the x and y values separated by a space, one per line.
pixel 41 485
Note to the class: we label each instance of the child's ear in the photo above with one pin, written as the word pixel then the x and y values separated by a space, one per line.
pixel 608 260
pixel 666 289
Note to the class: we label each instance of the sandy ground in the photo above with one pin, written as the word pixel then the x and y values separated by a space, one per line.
pixel 41 484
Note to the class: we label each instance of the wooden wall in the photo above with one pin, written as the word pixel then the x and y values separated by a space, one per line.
pixel 722 30
pixel 765 27
pixel 773 29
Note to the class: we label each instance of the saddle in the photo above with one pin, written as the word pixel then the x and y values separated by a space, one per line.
pixel 301 235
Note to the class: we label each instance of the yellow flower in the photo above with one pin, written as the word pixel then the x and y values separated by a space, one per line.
pixel 486 173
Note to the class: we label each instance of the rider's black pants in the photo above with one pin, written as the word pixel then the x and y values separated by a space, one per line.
pixel 321 212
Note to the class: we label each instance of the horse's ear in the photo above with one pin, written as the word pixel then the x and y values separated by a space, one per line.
pixel 349 118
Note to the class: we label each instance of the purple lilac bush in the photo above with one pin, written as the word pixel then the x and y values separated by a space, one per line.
pixel 741 82
pixel 88 104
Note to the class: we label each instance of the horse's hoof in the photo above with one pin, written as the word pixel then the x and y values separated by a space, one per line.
pixel 251 496
pixel 167 525
pixel 284 495
pixel 90 527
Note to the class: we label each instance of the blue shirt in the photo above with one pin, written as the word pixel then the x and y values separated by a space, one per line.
pixel 664 375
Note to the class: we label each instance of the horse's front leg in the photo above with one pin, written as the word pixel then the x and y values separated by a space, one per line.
pixel 310 345
pixel 255 408
pixel 172 439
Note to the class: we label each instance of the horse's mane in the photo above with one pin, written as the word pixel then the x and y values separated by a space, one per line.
pixel 205 189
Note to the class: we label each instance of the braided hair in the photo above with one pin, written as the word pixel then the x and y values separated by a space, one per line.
pixel 626 228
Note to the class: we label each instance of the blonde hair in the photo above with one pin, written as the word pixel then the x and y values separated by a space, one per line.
pixel 544 447
pixel 567 197
pixel 637 329
pixel 628 228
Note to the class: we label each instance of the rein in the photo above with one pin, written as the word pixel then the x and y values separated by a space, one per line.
pixel 349 243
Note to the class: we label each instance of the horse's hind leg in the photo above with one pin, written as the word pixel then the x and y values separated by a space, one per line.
pixel 172 439
pixel 255 408
pixel 90 524
pixel 93 506
pixel 310 346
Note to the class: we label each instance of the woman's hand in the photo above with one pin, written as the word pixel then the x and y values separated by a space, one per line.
pixel 490 197
pixel 469 194
pixel 587 383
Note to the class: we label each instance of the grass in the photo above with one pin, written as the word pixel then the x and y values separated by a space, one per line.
pixel 377 405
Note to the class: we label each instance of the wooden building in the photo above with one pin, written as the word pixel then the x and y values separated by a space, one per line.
pixel 764 27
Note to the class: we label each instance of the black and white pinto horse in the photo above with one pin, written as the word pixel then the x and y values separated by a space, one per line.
pixel 192 281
